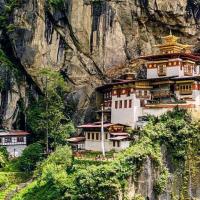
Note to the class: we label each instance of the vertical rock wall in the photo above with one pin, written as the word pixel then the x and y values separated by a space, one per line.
pixel 83 38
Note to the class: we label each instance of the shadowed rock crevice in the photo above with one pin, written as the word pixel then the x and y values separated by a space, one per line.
pixel 84 38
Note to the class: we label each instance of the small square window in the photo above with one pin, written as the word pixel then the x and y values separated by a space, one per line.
pixel 20 139
pixel 8 139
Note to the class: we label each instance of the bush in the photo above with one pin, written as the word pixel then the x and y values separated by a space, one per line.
pixel 30 157
pixel 56 3
pixel 62 156
pixel 138 197
pixel 4 151
pixel 3 180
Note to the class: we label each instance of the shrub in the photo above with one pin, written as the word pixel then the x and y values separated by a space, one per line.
pixel 3 180
pixel 30 157
pixel 62 156
pixel 5 153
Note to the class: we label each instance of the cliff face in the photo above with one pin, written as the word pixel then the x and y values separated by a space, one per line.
pixel 83 38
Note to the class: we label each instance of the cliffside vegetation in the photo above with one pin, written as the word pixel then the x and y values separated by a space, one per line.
pixel 59 177
pixel 48 112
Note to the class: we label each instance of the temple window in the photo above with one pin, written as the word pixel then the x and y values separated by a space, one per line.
pixel 20 139
pixel 92 136
pixel 128 93
pixel 187 70
pixel 130 103
pixel 125 103
pixel 120 104
pixel 8 139
pixel 106 136
pixel 195 69
pixel 116 104
pixel 161 70
pixel 97 136
pixel 88 136
pixel 142 103
pixel 185 89
pixel 118 93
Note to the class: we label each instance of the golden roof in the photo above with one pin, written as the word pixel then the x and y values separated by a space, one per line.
pixel 170 44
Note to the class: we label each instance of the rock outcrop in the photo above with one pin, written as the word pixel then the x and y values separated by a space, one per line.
pixel 84 38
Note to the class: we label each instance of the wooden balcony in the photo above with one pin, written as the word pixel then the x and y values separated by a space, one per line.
pixel 161 93
pixel 188 74
pixel 162 73
pixel 142 96
pixel 185 92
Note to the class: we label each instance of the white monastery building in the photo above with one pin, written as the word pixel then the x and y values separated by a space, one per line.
pixel 172 80
pixel 15 141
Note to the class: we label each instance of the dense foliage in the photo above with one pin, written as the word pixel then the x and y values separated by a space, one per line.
pixel 56 3
pixel 173 134
pixel 31 155
pixel 53 181
pixel 47 114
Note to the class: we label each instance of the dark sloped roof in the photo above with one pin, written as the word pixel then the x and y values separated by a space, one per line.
pixel 13 133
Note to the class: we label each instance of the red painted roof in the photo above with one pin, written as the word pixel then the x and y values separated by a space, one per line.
pixel 94 125
pixel 194 57
pixel 13 133
pixel 76 139
pixel 115 83
pixel 119 138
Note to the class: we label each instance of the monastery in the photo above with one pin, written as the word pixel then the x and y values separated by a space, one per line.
pixel 172 80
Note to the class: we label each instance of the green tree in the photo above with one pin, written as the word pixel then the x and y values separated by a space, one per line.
pixel 46 116
pixel 62 156
pixel 4 151
pixel 31 155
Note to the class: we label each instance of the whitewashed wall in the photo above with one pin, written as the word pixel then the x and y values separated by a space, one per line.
pixel 127 116
pixel 170 71
pixel 15 150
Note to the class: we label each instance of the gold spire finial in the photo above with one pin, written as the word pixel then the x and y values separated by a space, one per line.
pixel 170 44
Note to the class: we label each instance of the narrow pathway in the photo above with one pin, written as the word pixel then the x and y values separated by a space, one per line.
pixel 4 193
pixel 13 191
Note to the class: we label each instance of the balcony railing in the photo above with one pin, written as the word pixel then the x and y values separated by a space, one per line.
pixel 162 73
pixel 156 102
pixel 185 92
pixel 161 93
pixel 142 96
pixel 188 74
